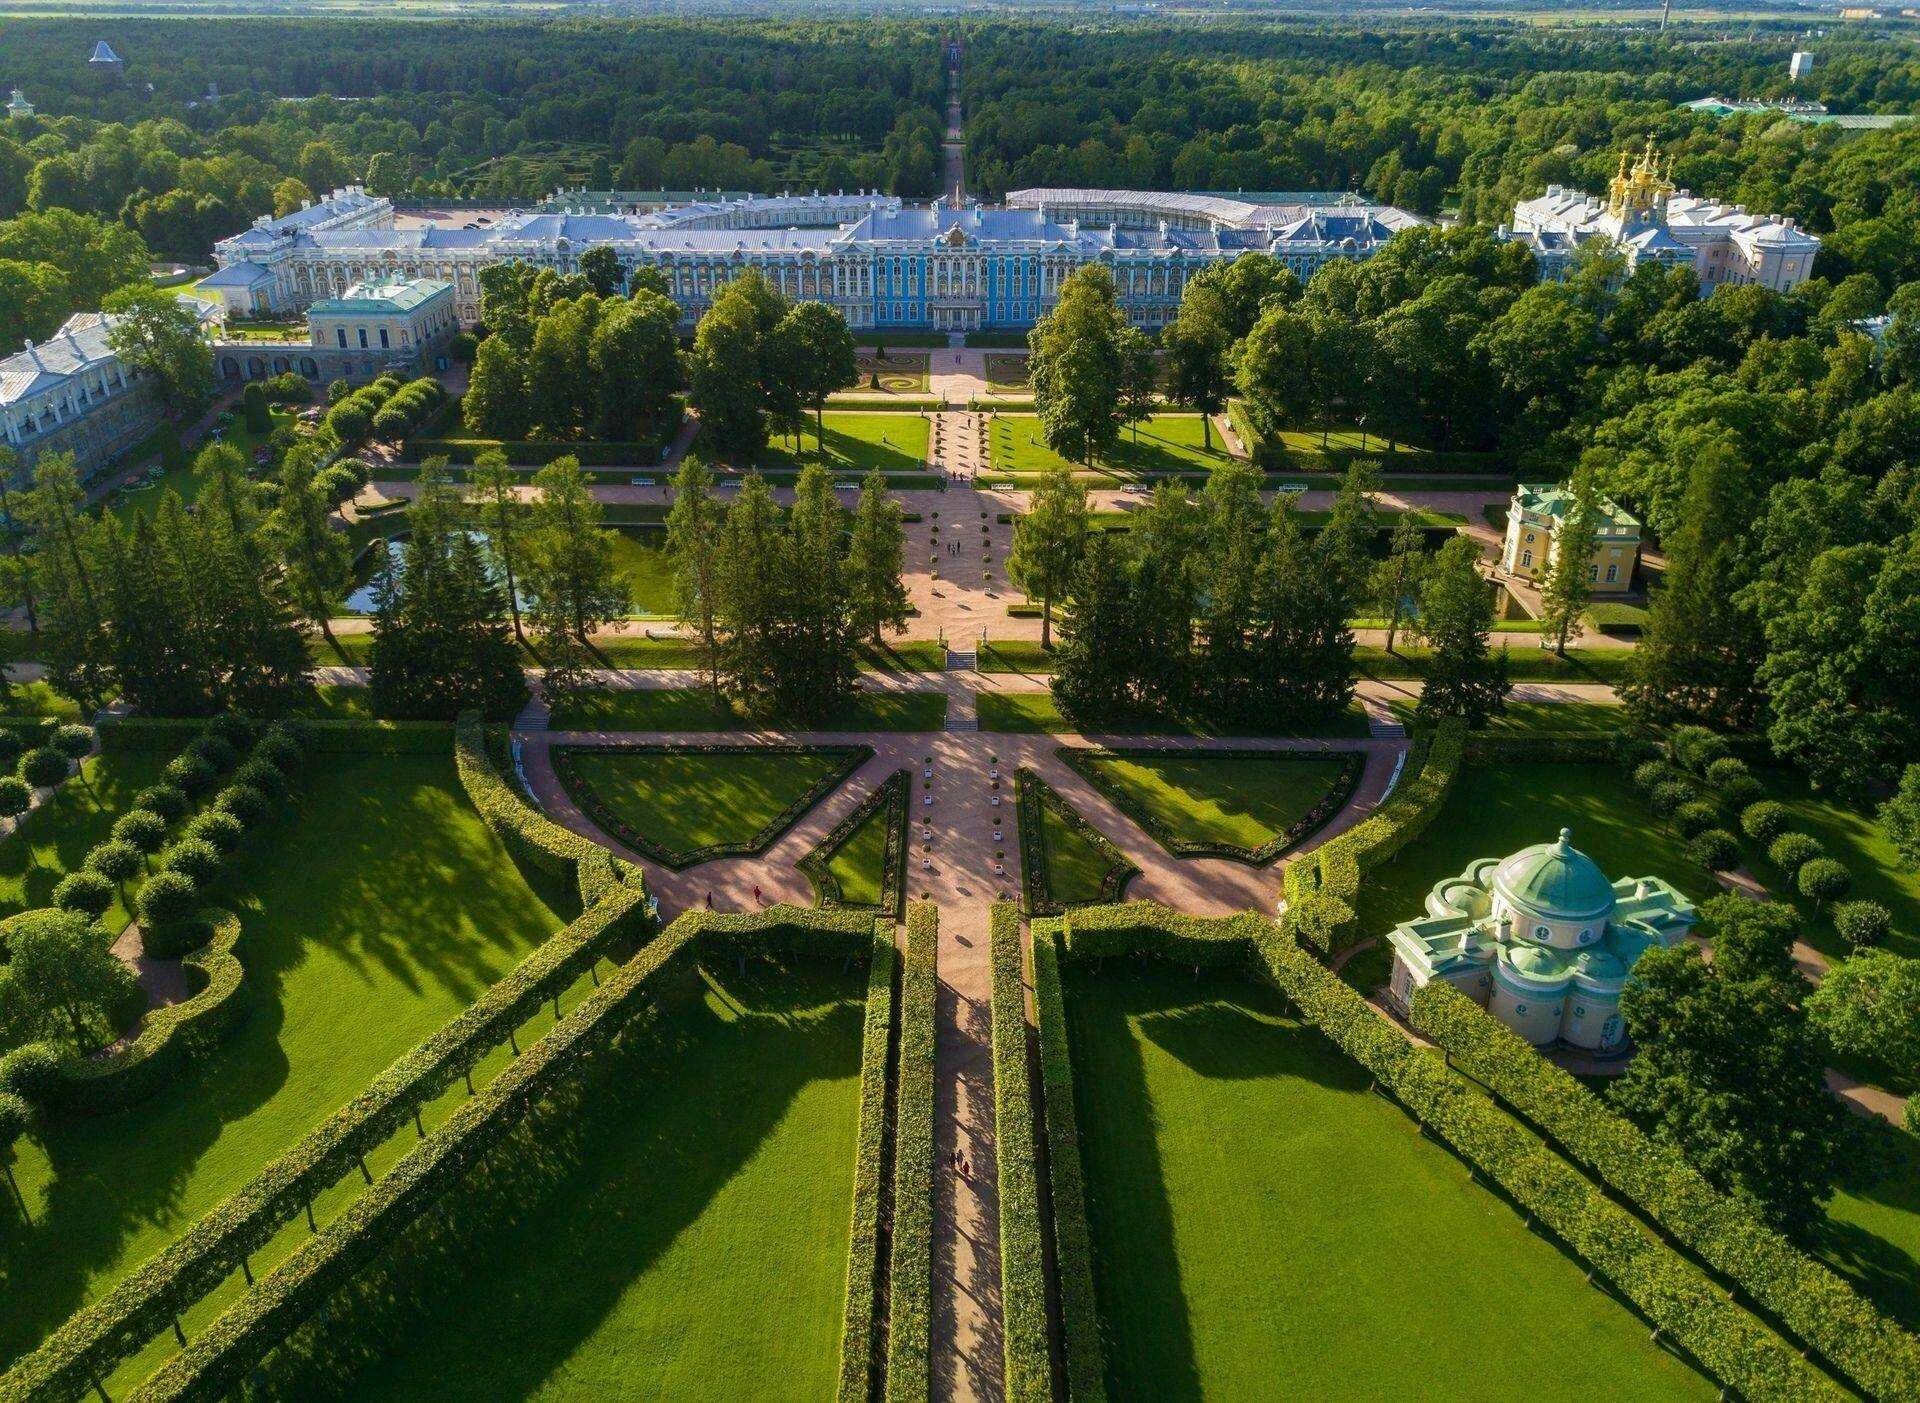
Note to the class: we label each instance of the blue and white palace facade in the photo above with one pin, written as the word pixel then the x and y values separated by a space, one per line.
pixel 885 263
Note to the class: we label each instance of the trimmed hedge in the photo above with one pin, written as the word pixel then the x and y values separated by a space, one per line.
pixel 860 1323
pixel 1323 887
pixel 118 1325
pixel 1023 1263
pixel 565 764
pixel 1032 797
pixel 910 1275
pixel 221 1358
pixel 816 866
pixel 1810 1301
pixel 1086 1369
pixel 1352 763
pixel 529 836
pixel 641 457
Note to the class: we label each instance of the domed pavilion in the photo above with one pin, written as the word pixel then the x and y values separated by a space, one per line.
pixel 1542 940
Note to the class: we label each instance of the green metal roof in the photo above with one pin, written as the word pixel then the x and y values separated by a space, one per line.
pixel 366 299
pixel 1554 500
pixel 1537 962
pixel 1557 881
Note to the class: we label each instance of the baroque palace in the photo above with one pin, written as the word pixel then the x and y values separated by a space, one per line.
pixel 885 263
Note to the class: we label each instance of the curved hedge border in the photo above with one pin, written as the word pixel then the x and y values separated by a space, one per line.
pixel 565 763
pixel 222 1355
pixel 1810 1301
pixel 529 836
pixel 118 1325
pixel 1033 796
pixel 910 1275
pixel 1681 1302
pixel 1352 765
pixel 169 1037
pixel 1086 1367
pixel 860 1322
pixel 817 866
pixel 1023 1264
pixel 1323 887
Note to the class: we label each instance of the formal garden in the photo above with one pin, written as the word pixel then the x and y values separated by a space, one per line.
pixel 853 442
pixel 1160 444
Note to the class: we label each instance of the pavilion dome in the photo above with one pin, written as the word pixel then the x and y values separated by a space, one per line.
pixel 1556 881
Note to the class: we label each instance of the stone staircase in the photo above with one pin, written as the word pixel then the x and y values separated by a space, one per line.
pixel 962 662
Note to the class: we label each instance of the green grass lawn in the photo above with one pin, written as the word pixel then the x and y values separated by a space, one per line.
pixel 1016 655
pixel 55 838
pixel 684 802
pixel 373 911
pixel 39 699
pixel 1165 443
pixel 1873 1236
pixel 676 1230
pixel 1240 801
pixel 1852 834
pixel 186 481
pixel 693 709
pixel 1542 718
pixel 641 563
pixel 1034 713
pixel 860 866
pixel 856 443
pixel 1077 866
pixel 1264 1228
pixel 1525 663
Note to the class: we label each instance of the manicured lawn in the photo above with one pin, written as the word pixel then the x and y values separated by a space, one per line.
pixel 1034 713
pixel 685 802
pixel 861 864
pixel 1852 834
pixel 373 911
pixel 1494 810
pixel 856 443
pixel 187 481
pixel 1077 866
pixel 55 838
pixel 1165 443
pixel 677 1229
pixel 39 699
pixel 1542 718
pixel 1525 663
pixel 693 709
pixel 1873 1236
pixel 1265 1228
pixel 1016 655
pixel 341 703
pixel 640 560
pixel 1240 801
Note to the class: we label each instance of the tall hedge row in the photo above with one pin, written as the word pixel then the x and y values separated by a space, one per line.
pixel 1086 1368
pixel 910 1277
pixel 96 1339
pixel 1023 1265
pixel 222 1356
pixel 1324 886
pixel 860 1323
pixel 1814 1304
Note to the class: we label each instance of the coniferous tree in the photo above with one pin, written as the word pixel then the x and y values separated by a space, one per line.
pixel 1168 551
pixel 314 559
pixel 876 552
pixel 502 517
pixel 817 667
pixel 1099 635
pixel 1568 586
pixel 19 563
pixel 143 593
pixel 1396 580
pixel 693 544
pixel 571 585
pixel 74 641
pixel 1464 677
pixel 1230 613
pixel 1047 541
pixel 750 573
pixel 245 620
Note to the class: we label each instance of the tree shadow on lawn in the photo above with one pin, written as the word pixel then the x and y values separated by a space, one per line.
pixel 369 873
pixel 496 1290
pixel 1888 1273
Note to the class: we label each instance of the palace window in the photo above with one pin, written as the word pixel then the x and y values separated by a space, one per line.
pixel 383 338
pixel 363 338
pixel 1526 559
pixel 1613 574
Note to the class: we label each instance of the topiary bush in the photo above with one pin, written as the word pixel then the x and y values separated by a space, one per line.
pixel 167 800
pixel 44 767
pixel 216 750
pixel 218 828
pixel 258 774
pixel 190 773
pixel 16 796
pixel 280 750
pixel 1736 794
pixel 1696 816
pixel 1651 774
pixel 1696 748
pixel 1669 796
pixel 115 860
pixel 73 741
pixel 168 897
pixel 195 858
pixel 31 1072
pixel 84 891
pixel 1715 849
pixel 1632 749
pixel 11 744
pixel 244 802
pixel 141 828
pixel 1912 1115
pixel 1766 820
pixel 1728 769
pixel 1792 851
pixel 1822 880
pixel 1862 924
